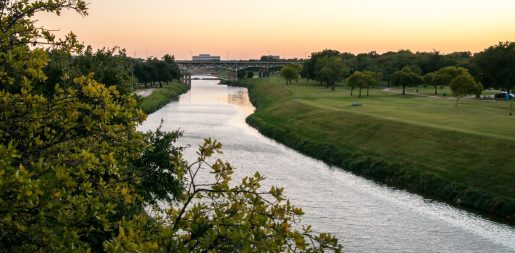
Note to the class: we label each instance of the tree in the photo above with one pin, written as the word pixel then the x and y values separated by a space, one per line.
pixel 172 67
pixel 330 69
pixel 495 67
pixel 241 74
pixel 406 77
pixel 444 76
pixel 464 84
pixel 373 79
pixel 362 80
pixel 76 175
pixel 289 73
pixel 309 65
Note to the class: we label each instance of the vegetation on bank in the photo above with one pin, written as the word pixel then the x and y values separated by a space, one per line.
pixel 77 176
pixel 463 154
pixel 162 96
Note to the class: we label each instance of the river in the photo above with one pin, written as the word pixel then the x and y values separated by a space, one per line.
pixel 364 216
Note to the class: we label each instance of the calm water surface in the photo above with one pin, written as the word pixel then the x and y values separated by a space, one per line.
pixel 365 216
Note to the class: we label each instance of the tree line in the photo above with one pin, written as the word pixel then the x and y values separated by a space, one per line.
pixel 494 67
pixel 154 70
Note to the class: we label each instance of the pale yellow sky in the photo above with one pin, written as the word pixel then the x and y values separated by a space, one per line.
pixel 290 28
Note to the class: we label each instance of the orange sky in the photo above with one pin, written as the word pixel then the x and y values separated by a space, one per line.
pixel 290 28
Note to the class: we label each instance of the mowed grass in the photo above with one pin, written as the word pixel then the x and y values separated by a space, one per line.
pixel 472 145
pixel 482 117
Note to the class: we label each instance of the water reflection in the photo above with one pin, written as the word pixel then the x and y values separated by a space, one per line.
pixel 366 217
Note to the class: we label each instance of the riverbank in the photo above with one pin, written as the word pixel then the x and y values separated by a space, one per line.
pixel 463 156
pixel 162 96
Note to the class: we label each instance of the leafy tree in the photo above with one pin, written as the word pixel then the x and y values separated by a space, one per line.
pixel 374 78
pixel 289 73
pixel 309 68
pixel 250 74
pixel 241 74
pixel 444 76
pixel 144 72
pixel 330 70
pixel 172 67
pixel 362 80
pixel 496 66
pixel 154 70
pixel 464 84
pixel 76 175
pixel 406 77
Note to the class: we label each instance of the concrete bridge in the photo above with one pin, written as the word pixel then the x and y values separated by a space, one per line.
pixel 189 67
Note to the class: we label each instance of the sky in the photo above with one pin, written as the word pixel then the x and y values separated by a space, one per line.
pixel 248 29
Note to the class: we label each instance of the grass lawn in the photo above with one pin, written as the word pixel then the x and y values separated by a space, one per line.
pixel 472 145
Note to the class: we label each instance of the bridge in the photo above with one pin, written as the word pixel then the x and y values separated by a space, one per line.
pixel 188 67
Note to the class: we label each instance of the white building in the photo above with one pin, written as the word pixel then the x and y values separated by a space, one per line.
pixel 206 58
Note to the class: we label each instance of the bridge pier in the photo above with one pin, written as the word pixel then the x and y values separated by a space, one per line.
pixel 186 79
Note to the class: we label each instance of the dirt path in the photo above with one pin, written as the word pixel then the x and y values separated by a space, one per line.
pixel 144 92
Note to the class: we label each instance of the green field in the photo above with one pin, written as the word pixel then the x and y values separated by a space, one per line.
pixel 469 148
pixel 162 96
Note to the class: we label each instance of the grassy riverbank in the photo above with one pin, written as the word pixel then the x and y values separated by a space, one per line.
pixel 162 96
pixel 464 155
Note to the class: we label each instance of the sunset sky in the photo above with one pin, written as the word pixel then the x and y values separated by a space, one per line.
pixel 246 29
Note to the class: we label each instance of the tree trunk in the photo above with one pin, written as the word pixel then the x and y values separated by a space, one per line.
pixel 326 84
pixel 359 92
pixel 351 90
pixel 436 90
pixel 404 90
pixel 457 101
pixel 333 85
pixel 160 84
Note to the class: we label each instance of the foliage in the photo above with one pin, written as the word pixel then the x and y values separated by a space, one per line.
pixel 464 84
pixel 309 70
pixel 76 175
pixel 362 80
pixel 289 73
pixel 216 216
pixel 408 76
pixel 389 62
pixel 108 66
pixel 241 74
pixel 18 64
pixel 444 76
pixel 496 66
pixel 154 70
pixel 330 69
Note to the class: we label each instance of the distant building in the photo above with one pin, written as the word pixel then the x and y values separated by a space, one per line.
pixel 206 58
pixel 270 58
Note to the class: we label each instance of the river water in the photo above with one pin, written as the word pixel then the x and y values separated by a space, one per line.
pixel 364 216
